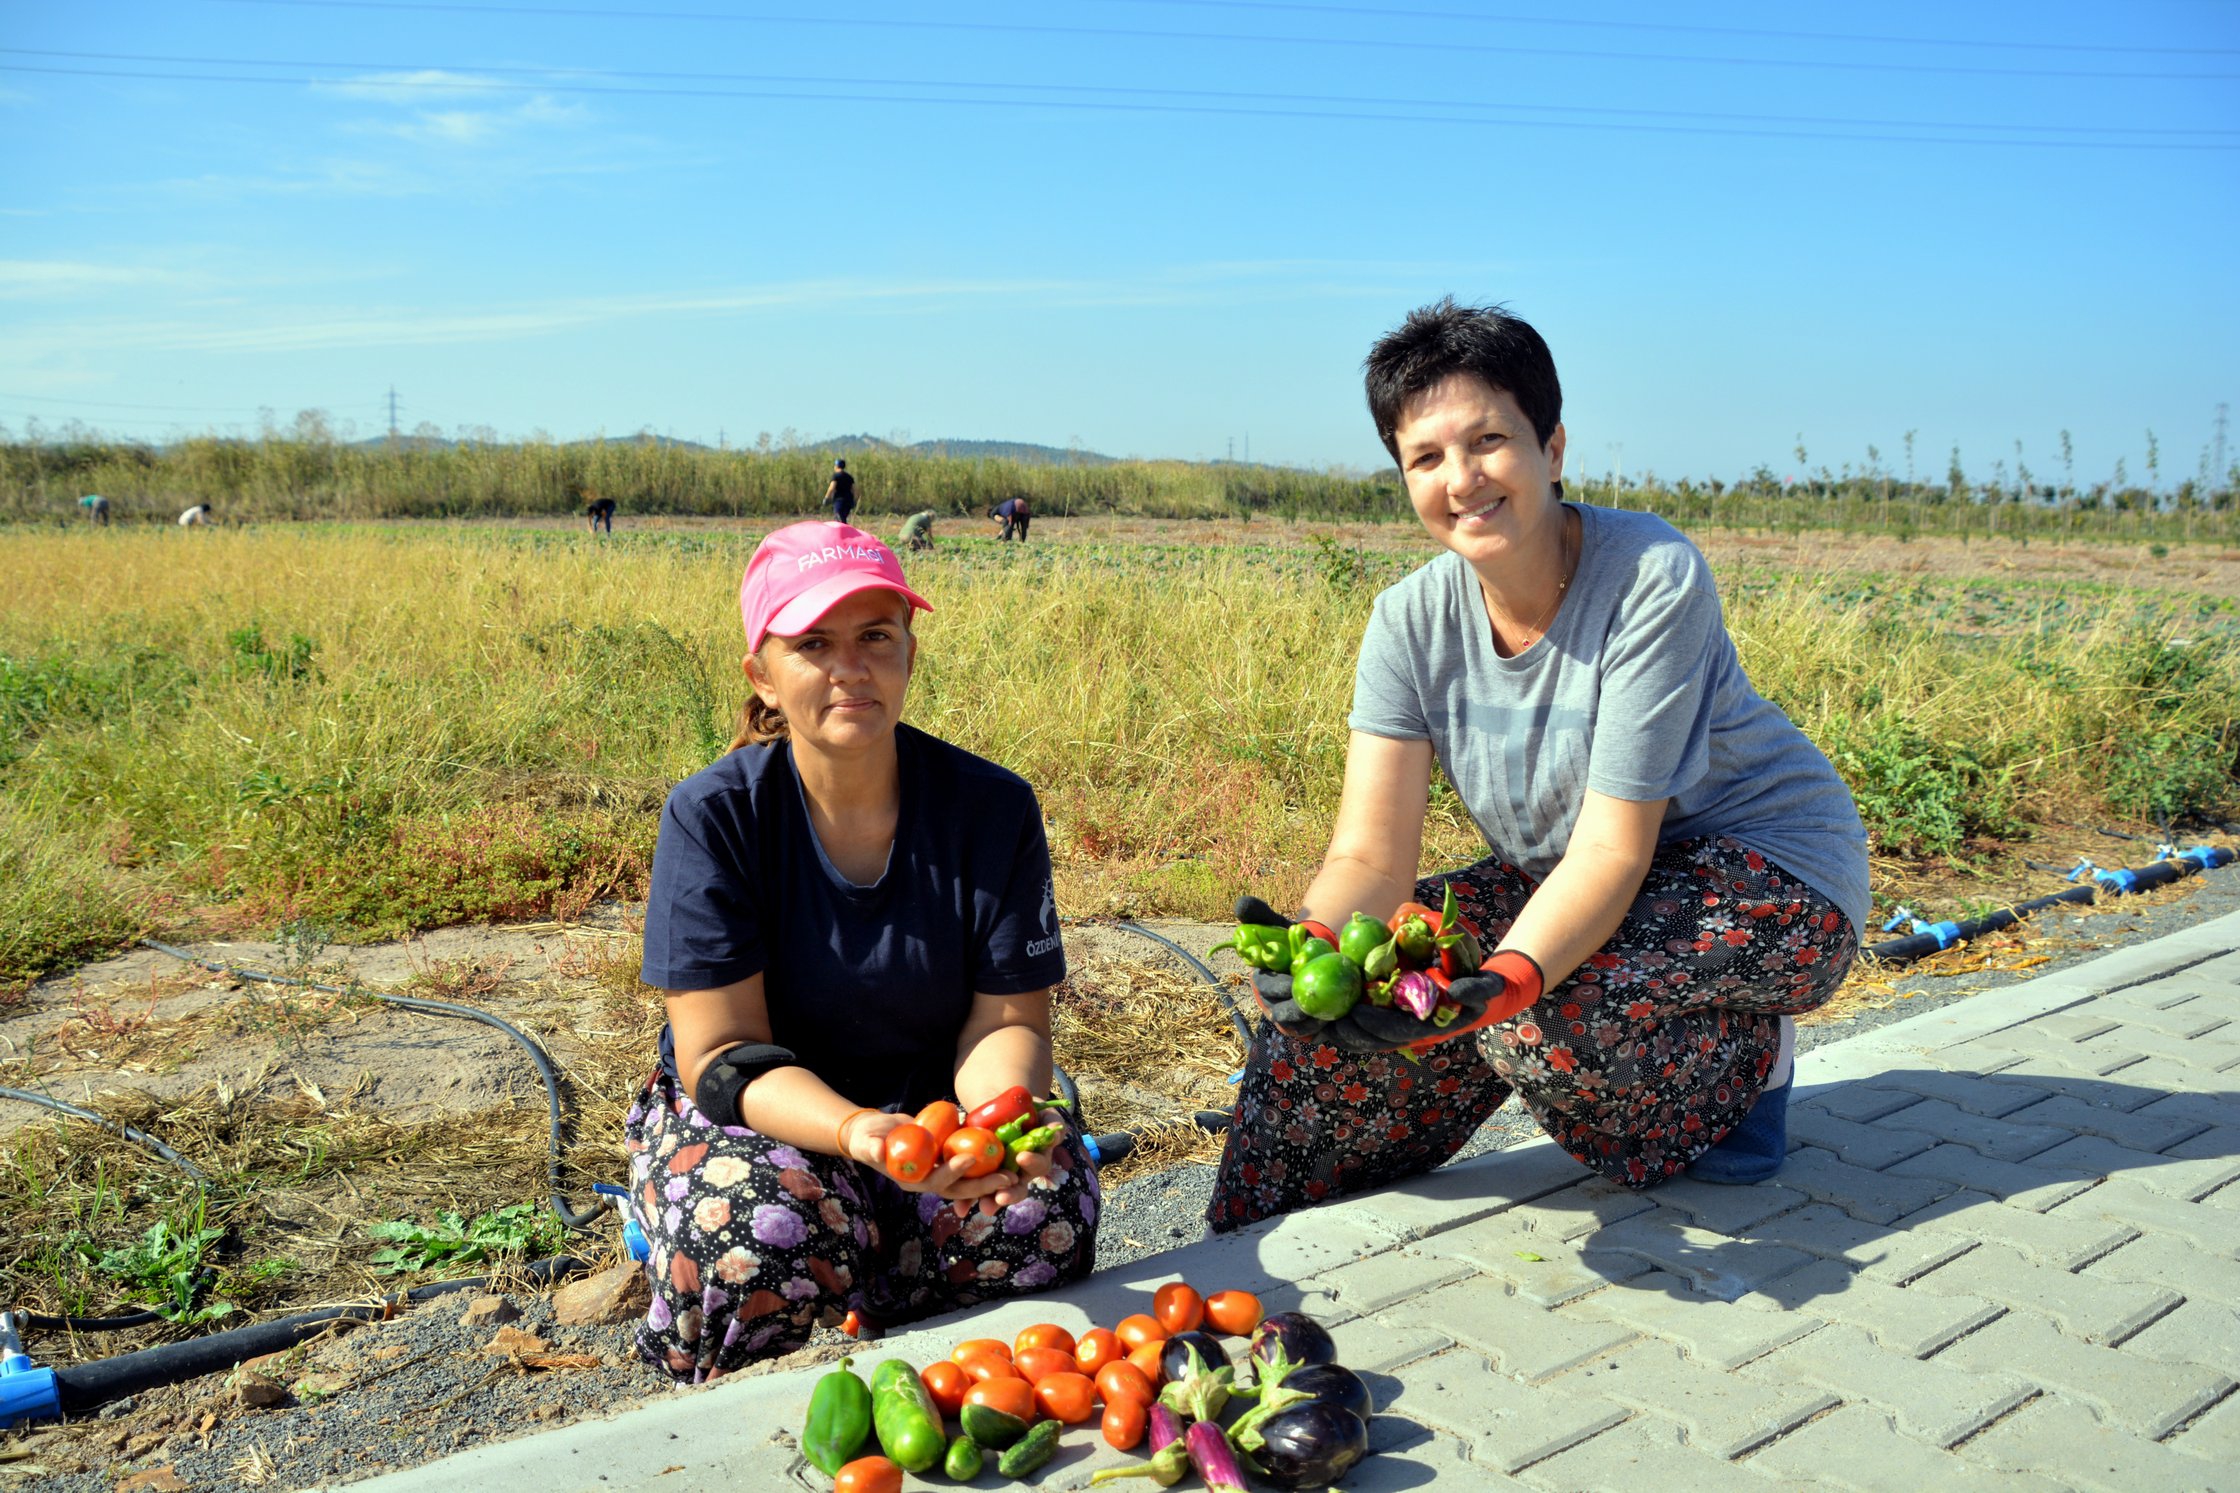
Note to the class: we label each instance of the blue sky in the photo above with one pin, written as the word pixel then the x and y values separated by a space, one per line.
pixel 1155 227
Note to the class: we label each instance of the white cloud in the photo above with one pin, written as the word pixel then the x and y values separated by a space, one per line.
pixel 27 279
pixel 425 86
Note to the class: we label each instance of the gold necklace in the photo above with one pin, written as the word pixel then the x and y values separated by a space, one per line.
pixel 1538 630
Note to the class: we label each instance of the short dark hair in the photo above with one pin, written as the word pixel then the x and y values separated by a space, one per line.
pixel 841 462
pixel 1443 339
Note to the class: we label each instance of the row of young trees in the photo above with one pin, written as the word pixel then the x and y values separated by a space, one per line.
pixel 305 474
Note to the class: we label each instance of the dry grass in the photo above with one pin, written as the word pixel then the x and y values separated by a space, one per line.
pixel 1148 1046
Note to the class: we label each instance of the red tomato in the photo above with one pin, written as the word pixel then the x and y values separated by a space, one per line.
pixel 1122 1380
pixel 977 1150
pixel 1233 1312
pixel 1139 1329
pixel 911 1153
pixel 1067 1397
pixel 1011 1396
pixel 1037 1364
pixel 946 1382
pixel 984 1367
pixel 1097 1348
pixel 941 1119
pixel 1178 1307
pixel 868 1475
pixel 1043 1335
pixel 1146 1358
pixel 974 1346
pixel 1124 1424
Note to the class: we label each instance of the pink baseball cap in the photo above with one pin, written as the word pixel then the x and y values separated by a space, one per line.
pixel 802 571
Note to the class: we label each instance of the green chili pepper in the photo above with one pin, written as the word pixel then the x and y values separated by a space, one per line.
pixel 1261 945
pixel 1011 1130
pixel 1032 1453
pixel 1034 1140
pixel 1328 987
pixel 839 1419
pixel 1360 937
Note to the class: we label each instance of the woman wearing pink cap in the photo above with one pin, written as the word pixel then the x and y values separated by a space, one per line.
pixel 851 919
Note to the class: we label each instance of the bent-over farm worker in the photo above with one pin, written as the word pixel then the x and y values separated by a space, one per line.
pixel 917 530
pixel 852 920
pixel 200 513
pixel 1674 872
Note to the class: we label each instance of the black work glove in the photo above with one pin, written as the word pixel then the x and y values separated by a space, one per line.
pixel 1384 1028
pixel 1271 988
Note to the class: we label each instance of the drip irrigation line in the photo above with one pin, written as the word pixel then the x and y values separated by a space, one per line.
pixel 64 1322
pixel 567 1215
pixel 1205 971
pixel 137 1137
pixel 1932 938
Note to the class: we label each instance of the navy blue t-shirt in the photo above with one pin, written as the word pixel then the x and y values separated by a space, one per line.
pixel 869 986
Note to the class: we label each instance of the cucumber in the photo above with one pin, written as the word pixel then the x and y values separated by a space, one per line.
pixel 907 1420
pixel 964 1461
pixel 992 1428
pixel 1033 1453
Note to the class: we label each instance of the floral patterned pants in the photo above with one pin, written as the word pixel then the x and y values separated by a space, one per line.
pixel 756 1242
pixel 1637 1064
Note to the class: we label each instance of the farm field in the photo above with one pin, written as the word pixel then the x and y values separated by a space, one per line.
pixel 425 758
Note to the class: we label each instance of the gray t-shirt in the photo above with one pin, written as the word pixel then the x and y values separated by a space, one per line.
pixel 1635 692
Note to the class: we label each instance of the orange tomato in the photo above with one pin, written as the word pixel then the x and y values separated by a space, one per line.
pixel 977 1150
pixel 946 1382
pixel 1097 1348
pixel 911 1152
pixel 1037 1364
pixel 972 1347
pixel 1043 1335
pixel 1013 1396
pixel 1139 1329
pixel 868 1475
pixel 1124 1424
pixel 1178 1307
pixel 1067 1397
pixel 1146 1358
pixel 1233 1312
pixel 1122 1380
pixel 984 1367
pixel 941 1119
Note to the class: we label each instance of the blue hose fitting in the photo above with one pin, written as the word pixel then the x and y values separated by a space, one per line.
pixel 2118 881
pixel 633 1233
pixel 1898 918
pixel 1946 933
pixel 1089 1144
pixel 27 1392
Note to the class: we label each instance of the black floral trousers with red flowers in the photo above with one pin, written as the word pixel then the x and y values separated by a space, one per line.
pixel 1637 1064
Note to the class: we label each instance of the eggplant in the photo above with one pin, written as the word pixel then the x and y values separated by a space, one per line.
pixel 1333 1384
pixel 1174 1358
pixel 1301 1337
pixel 1216 1460
pixel 1311 1444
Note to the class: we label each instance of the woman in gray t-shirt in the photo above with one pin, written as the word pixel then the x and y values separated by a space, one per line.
pixel 1675 870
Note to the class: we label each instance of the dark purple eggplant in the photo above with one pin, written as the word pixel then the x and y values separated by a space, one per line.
pixel 1174 1358
pixel 1216 1460
pixel 1302 1338
pixel 1333 1384
pixel 1311 1444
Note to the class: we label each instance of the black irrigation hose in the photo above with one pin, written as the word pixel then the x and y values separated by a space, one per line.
pixel 84 1386
pixel 204 1277
pixel 1221 991
pixel 1939 936
pixel 568 1216
pixel 137 1137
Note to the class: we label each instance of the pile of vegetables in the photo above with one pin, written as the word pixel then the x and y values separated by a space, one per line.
pixel 1405 962
pixel 1301 1420
pixel 991 1138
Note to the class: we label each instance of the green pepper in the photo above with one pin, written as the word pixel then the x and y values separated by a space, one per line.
pixel 1415 938
pixel 1034 1140
pixel 1360 938
pixel 907 1420
pixel 1383 961
pixel 1032 1453
pixel 1327 987
pixel 1308 951
pixel 839 1419
pixel 1261 945
pixel 964 1460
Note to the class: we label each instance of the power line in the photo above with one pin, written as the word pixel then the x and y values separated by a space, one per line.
pixel 1257 39
pixel 1108 106
pixel 1675 27
pixel 455 72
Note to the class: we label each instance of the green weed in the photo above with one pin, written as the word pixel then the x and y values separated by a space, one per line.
pixel 1917 796
pixel 165 1267
pixel 517 1229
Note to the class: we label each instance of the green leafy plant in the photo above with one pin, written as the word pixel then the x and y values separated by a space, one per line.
pixel 518 1228
pixel 164 1267
pixel 1916 795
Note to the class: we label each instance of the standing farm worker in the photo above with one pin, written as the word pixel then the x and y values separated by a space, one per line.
pixel 1676 871
pixel 1014 514
pixel 917 530
pixel 840 492
pixel 851 919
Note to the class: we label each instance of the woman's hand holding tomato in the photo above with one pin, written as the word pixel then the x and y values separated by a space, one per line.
pixel 872 1140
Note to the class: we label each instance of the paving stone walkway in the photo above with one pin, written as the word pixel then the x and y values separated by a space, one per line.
pixel 2004 1253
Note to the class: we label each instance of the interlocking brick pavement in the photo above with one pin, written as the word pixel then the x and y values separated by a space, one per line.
pixel 2003 1253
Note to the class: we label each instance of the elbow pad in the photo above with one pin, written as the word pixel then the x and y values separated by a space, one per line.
pixel 729 1072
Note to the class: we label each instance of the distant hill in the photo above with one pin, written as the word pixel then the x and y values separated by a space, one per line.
pixel 1025 452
